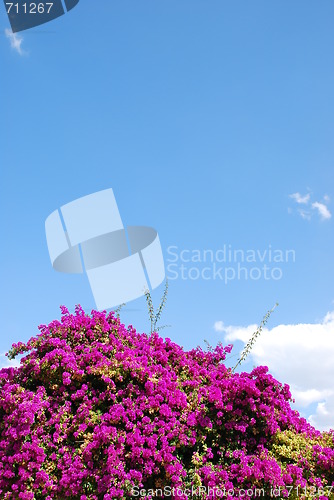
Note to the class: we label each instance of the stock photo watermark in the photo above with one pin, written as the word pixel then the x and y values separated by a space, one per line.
pixel 88 236
pixel 216 492
pixel 227 263
pixel 26 14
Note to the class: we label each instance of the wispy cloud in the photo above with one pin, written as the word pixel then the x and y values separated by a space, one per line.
pixel 300 355
pixel 305 214
pixel 6 363
pixel 318 207
pixel 15 41
pixel 322 210
pixel 299 198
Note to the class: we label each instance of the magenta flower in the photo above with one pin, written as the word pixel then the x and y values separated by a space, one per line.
pixel 96 409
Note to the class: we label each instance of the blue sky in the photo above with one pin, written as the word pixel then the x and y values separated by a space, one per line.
pixel 213 123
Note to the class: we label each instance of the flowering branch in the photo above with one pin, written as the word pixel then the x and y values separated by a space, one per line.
pixel 253 338
pixel 154 317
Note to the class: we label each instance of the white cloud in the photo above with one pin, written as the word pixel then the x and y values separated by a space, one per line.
pixel 300 355
pixel 322 209
pixel 329 318
pixel 6 363
pixel 305 214
pixel 15 41
pixel 239 332
pixel 323 414
pixel 299 198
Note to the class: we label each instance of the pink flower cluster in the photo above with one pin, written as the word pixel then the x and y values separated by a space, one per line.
pixel 96 409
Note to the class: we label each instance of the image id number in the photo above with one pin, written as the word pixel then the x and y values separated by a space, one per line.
pixel 29 8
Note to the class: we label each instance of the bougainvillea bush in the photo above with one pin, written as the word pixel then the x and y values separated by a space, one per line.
pixel 99 411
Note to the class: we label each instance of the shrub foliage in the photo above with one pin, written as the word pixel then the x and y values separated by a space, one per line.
pixel 96 410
